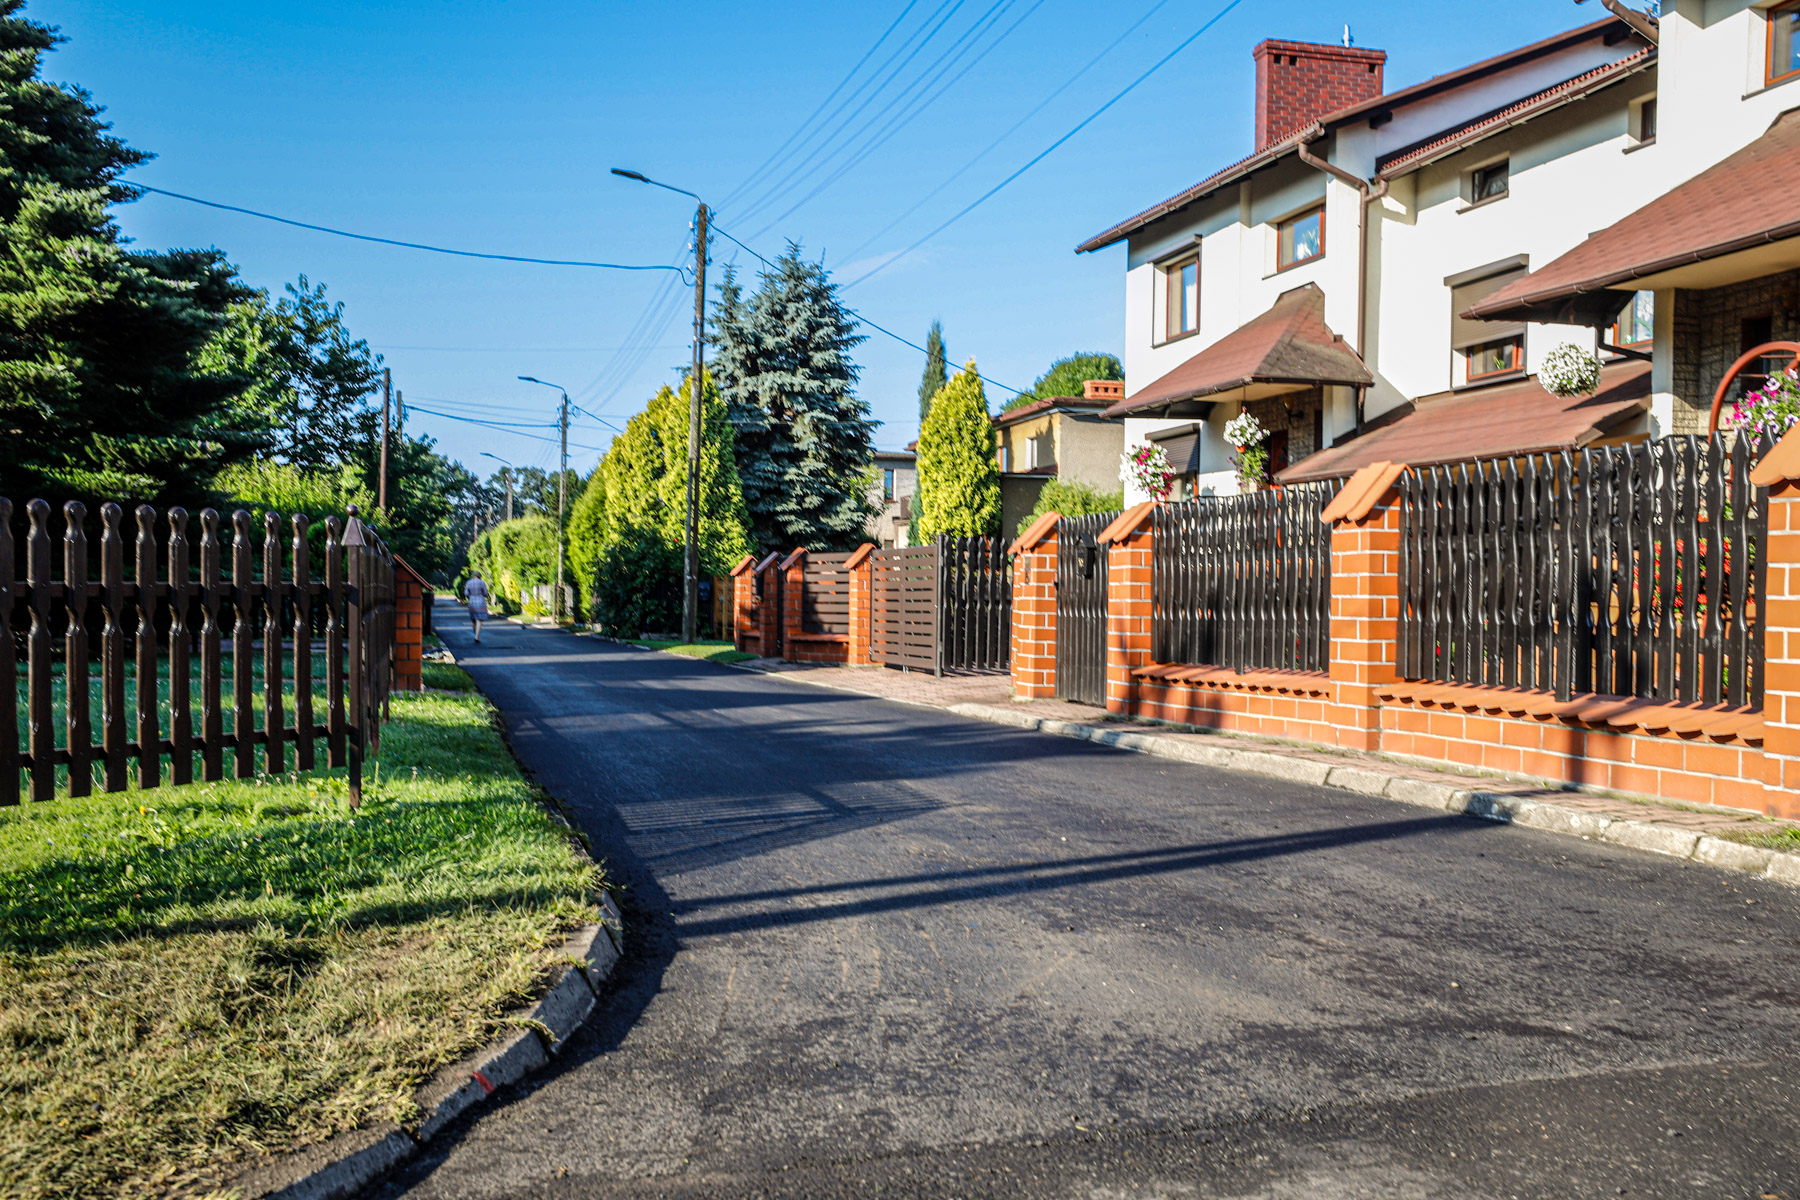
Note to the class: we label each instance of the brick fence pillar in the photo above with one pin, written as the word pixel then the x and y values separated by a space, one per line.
pixel 1127 542
pixel 1779 471
pixel 743 599
pixel 859 570
pixel 1033 652
pixel 1365 600
pixel 793 592
pixel 768 608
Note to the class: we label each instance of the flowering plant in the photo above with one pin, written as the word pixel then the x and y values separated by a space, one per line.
pixel 1148 467
pixel 1246 434
pixel 1570 370
pixel 1770 410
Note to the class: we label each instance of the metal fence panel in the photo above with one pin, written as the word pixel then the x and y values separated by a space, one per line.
pixel 1244 581
pixel 1081 576
pixel 1624 570
pixel 975 603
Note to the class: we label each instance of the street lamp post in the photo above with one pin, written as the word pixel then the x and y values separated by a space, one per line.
pixel 506 470
pixel 690 582
pixel 562 497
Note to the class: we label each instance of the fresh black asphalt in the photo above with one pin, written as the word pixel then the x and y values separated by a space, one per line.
pixel 879 950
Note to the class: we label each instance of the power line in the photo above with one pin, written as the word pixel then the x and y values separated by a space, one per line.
pixel 364 237
pixel 502 428
pixel 1046 151
pixel 1016 126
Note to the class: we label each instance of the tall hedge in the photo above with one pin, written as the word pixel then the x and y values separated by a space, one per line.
pixel 959 477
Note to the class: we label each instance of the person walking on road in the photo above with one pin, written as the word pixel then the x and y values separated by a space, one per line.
pixel 475 591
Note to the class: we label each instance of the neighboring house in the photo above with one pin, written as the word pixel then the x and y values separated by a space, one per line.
pixel 1067 438
pixel 1383 275
pixel 891 491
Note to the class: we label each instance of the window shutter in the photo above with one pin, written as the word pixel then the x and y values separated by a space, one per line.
pixel 1465 333
pixel 1183 451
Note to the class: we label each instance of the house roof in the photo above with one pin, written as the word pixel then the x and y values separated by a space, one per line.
pixel 1511 418
pixel 1569 90
pixel 1288 344
pixel 1049 404
pixel 1746 200
pixel 1403 96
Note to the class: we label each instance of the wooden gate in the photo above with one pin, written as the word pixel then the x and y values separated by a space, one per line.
pixel 903 608
pixel 975 603
pixel 1081 609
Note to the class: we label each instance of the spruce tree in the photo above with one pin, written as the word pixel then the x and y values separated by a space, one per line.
pixel 932 382
pixel 101 393
pixel 802 435
pixel 959 479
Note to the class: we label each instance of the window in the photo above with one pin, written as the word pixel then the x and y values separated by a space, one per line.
pixel 1636 326
pixel 1645 132
pixel 1495 358
pixel 1182 312
pixel 1489 182
pixel 1784 42
pixel 887 483
pixel 1301 239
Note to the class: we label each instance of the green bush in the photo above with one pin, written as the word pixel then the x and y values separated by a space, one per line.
pixel 514 557
pixel 1072 500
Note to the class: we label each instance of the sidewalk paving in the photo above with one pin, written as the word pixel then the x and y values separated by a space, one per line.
pixel 1710 834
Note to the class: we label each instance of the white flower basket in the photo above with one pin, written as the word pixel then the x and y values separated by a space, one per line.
pixel 1570 370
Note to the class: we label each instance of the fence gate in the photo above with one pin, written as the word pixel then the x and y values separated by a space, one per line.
pixel 1081 609
pixel 975 603
pixel 903 608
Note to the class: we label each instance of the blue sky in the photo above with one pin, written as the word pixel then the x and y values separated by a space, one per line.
pixel 492 127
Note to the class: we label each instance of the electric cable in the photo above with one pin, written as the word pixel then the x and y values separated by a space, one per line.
pixel 1047 150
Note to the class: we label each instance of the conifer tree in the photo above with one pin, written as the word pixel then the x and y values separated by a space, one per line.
pixel 935 376
pixel 100 392
pixel 802 434
pixel 959 479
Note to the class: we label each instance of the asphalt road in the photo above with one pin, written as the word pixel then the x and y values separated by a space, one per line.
pixel 877 949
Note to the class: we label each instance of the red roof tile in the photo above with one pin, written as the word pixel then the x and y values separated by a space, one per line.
pixel 1037 407
pixel 1290 343
pixel 1744 200
pixel 1512 418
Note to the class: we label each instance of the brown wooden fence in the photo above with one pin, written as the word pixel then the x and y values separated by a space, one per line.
pixel 1628 570
pixel 825 593
pixel 1245 581
pixel 903 608
pixel 228 600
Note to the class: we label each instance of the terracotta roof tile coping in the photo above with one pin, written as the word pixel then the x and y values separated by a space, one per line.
pixel 858 555
pixel 1035 533
pixel 1126 523
pixel 744 564
pixel 773 558
pixel 1311 683
pixel 1781 464
pixel 1717 722
pixel 1365 489
pixel 798 554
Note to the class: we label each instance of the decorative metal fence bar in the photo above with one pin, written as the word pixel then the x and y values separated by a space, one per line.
pixel 975 601
pixel 825 593
pixel 221 599
pixel 1244 581
pixel 1627 570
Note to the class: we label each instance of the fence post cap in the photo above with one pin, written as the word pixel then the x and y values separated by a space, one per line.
pixel 773 558
pixel 744 564
pixel 1362 492
pixel 1781 464
pixel 858 555
pixel 1035 533
pixel 798 554
pixel 1127 523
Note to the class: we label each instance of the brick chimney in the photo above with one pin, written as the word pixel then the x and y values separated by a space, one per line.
pixel 1103 389
pixel 1299 82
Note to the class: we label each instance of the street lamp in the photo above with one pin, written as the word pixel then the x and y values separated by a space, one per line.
pixel 505 474
pixel 562 496
pixel 690 582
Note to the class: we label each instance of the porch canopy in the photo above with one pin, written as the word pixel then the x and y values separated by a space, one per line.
pixel 1286 348
pixel 1738 219
pixel 1493 422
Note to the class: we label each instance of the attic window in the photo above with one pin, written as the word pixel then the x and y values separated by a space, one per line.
pixel 1490 182
pixel 1301 238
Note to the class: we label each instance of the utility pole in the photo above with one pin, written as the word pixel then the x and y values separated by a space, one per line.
pixel 387 397
pixel 562 501
pixel 690 590
pixel 399 416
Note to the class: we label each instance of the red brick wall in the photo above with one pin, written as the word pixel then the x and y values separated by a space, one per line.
pixel 1033 654
pixel 860 580
pixel 1127 618
pixel 746 634
pixel 1365 620
pixel 409 630
pixel 1298 82
pixel 1781 643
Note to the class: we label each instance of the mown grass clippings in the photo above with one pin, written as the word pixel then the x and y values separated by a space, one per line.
pixel 718 652
pixel 196 977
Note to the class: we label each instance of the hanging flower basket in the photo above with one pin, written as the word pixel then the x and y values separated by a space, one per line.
pixel 1147 468
pixel 1246 435
pixel 1569 371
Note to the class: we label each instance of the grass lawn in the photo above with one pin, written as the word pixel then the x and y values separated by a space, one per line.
pixel 193 977
pixel 719 652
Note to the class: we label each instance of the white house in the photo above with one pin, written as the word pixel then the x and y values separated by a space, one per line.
pixel 1383 275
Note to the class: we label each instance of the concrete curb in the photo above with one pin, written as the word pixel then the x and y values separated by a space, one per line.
pixel 1369 780
pixel 350 1162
